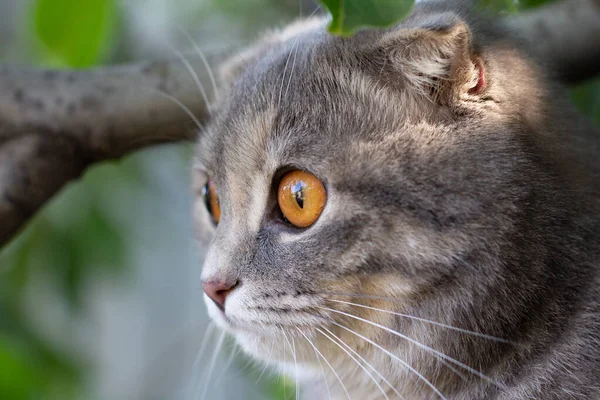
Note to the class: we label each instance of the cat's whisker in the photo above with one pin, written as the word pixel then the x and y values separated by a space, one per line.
pixel 208 334
pixel 291 72
pixel 326 362
pixel 365 361
pixel 212 364
pixel 323 372
pixel 428 321
pixel 284 363
pixel 268 361
pixel 360 296
pixel 395 357
pixel 295 51
pixel 287 61
pixel 355 360
pixel 195 76
pixel 453 369
pixel 235 351
pixel 419 344
pixel 293 351
pixel 182 106
pixel 207 66
pixel 295 368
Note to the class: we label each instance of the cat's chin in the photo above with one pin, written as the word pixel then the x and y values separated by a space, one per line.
pixel 257 346
pixel 265 349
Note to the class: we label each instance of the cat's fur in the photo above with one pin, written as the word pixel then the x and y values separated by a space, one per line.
pixel 478 210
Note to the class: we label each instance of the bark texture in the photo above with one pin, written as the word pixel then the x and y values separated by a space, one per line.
pixel 54 124
pixel 566 35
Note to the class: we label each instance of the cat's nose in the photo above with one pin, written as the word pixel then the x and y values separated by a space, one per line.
pixel 218 291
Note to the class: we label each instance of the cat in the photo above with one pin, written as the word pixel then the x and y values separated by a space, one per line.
pixel 409 213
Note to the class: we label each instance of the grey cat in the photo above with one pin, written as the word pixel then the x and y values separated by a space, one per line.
pixel 410 213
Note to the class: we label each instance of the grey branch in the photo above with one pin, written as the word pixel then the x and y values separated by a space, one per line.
pixel 566 35
pixel 54 124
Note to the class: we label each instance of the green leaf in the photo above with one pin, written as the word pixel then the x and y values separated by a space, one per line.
pixel 74 33
pixel 29 367
pixel 510 6
pixel 18 376
pixel 586 97
pixel 283 389
pixel 533 3
pixel 350 15
pixel 501 6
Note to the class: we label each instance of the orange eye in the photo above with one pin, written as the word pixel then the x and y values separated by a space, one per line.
pixel 301 198
pixel 211 199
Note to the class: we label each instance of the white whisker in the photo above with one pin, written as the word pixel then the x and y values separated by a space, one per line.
pixel 287 61
pixel 291 72
pixel 292 346
pixel 268 361
pixel 454 328
pixel 211 367
pixel 323 372
pixel 194 74
pixel 326 362
pixel 211 76
pixel 196 366
pixel 366 362
pixel 356 361
pixel 284 363
pixel 182 106
pixel 295 368
pixel 419 344
pixel 395 357
pixel 451 368
pixel 228 363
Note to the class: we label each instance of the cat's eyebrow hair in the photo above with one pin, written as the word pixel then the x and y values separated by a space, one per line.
pixel 198 164
pixel 379 196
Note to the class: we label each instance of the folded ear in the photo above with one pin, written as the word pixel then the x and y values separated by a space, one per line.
pixel 436 58
pixel 232 68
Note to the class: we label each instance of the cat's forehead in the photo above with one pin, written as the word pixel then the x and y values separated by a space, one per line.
pixel 304 99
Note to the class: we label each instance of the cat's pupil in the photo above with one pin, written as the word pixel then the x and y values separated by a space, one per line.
pixel 211 200
pixel 207 199
pixel 299 194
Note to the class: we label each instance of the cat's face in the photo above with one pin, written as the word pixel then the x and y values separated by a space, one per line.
pixel 413 187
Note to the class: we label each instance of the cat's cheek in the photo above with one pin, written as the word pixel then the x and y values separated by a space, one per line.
pixel 267 350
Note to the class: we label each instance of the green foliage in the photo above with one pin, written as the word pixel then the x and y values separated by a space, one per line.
pixel 283 390
pixel 75 33
pixel 66 242
pixel 510 6
pixel 30 369
pixel 347 16
pixel 587 98
pixel 524 4
pixel 502 6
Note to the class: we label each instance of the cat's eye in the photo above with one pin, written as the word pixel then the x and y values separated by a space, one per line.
pixel 301 197
pixel 211 199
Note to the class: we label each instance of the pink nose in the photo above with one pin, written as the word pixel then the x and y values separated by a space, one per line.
pixel 218 291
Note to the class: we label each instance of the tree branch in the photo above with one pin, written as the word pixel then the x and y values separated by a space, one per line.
pixel 53 124
pixel 565 35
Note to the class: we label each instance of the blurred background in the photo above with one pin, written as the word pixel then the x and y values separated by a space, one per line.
pixel 100 296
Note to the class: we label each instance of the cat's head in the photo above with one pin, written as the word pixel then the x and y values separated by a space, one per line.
pixel 391 164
